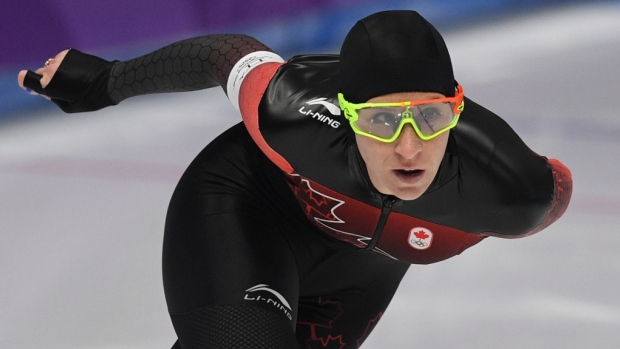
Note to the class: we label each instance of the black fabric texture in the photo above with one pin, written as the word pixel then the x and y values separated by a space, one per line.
pixel 394 51
pixel 230 326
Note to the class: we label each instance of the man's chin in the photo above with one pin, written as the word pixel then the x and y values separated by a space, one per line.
pixel 408 193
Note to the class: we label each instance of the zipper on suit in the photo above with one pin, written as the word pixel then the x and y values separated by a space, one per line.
pixel 388 202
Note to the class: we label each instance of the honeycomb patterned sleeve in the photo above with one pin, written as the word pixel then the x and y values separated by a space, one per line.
pixel 84 82
pixel 187 65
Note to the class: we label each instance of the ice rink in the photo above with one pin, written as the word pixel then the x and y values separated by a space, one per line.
pixel 83 202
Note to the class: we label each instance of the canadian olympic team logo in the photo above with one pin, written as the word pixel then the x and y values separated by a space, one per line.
pixel 420 238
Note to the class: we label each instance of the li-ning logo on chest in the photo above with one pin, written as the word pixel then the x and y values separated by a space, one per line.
pixel 331 108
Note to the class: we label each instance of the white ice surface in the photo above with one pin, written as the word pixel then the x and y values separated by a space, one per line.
pixel 83 200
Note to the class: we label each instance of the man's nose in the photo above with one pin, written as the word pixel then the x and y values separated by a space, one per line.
pixel 408 144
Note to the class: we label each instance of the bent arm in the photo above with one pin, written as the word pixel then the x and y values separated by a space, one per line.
pixel 563 183
pixel 80 82
pixel 519 192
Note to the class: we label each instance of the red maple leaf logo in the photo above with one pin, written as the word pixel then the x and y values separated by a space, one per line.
pixel 421 234
pixel 316 206
pixel 323 334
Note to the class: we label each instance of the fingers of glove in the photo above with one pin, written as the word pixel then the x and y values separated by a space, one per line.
pixel 37 80
pixel 81 83
pixel 32 81
pixel 75 81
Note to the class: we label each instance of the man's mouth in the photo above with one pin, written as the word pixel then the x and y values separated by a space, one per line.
pixel 409 177
pixel 409 172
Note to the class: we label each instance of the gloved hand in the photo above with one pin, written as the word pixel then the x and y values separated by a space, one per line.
pixel 75 81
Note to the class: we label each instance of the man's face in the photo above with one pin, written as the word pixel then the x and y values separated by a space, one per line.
pixel 406 167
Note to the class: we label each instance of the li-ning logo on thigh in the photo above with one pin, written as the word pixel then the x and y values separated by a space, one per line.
pixel 420 238
pixel 275 298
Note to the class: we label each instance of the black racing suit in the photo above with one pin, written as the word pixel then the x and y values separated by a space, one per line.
pixel 275 236
pixel 285 201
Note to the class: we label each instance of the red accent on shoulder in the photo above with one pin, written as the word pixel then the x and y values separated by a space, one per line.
pixel 563 192
pixel 252 90
pixel 563 180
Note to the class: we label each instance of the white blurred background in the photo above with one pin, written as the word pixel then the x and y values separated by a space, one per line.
pixel 83 200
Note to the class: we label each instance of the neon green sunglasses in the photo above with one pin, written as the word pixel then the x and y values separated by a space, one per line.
pixel 385 121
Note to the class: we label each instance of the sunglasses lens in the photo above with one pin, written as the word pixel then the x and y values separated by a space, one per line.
pixel 380 122
pixel 433 117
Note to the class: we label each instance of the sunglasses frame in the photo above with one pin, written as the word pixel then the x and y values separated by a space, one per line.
pixel 351 114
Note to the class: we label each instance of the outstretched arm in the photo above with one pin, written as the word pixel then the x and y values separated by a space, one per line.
pixel 80 82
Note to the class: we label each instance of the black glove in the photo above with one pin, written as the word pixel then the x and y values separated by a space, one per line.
pixel 80 84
